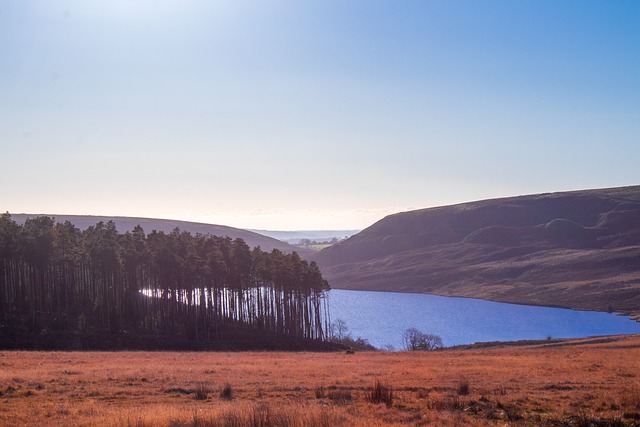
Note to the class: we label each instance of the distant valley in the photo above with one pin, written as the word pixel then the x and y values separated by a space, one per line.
pixel 295 237
pixel 578 249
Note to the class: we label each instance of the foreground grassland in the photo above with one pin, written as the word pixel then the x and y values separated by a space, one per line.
pixel 573 383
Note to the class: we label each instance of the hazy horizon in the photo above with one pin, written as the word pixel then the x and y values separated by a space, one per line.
pixel 314 115
pixel 274 231
pixel 59 217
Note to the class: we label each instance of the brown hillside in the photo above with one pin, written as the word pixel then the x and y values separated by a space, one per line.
pixel 578 249
pixel 124 224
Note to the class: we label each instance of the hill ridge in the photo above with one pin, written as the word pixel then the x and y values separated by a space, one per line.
pixel 577 249
pixel 126 223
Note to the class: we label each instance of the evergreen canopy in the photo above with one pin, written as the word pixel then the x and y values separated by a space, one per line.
pixel 57 279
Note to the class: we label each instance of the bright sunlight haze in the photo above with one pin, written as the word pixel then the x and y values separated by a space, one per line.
pixel 314 114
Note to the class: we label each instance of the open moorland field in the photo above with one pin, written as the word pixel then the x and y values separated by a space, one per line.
pixel 579 382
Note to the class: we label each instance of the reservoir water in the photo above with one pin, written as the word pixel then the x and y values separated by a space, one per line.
pixel 381 318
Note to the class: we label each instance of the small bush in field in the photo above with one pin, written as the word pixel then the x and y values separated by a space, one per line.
pixel 448 403
pixel 227 392
pixel 321 392
pixel 381 393
pixel 340 396
pixel 463 387
pixel 202 391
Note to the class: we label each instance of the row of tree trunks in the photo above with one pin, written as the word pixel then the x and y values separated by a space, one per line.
pixel 54 277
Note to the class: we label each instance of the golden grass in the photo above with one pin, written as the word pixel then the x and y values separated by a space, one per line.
pixel 548 384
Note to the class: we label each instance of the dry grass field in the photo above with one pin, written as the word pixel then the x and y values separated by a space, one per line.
pixel 573 383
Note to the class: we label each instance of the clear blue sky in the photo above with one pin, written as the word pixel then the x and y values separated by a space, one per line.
pixel 311 114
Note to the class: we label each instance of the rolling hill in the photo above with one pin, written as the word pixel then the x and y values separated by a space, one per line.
pixel 578 249
pixel 123 224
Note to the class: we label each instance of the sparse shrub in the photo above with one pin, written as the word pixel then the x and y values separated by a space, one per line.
pixel 227 392
pixel 381 393
pixel 261 416
pixel 340 396
pixel 178 390
pixel 202 391
pixel 631 398
pixel 10 390
pixel 450 403
pixel 422 393
pixel 339 334
pixel 63 410
pixel 415 340
pixel 500 391
pixel 513 413
pixel 463 387
pixel 338 330
pixel 586 420
pixel 321 392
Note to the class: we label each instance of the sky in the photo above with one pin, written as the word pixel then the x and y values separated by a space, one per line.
pixel 311 114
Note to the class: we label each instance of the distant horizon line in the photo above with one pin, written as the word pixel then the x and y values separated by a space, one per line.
pixel 311 229
pixel 56 215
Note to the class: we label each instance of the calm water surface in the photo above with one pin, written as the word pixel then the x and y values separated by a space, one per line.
pixel 381 317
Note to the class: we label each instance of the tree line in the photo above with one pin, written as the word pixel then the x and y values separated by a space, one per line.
pixel 57 282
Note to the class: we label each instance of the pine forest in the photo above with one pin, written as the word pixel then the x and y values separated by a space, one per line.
pixel 63 288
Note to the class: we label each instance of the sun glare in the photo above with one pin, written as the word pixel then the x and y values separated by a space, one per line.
pixel 140 9
pixel 124 9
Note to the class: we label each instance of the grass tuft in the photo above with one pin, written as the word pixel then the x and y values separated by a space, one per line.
pixel 321 392
pixel 227 392
pixel 178 390
pixel 202 391
pixel 463 387
pixel 340 396
pixel 381 393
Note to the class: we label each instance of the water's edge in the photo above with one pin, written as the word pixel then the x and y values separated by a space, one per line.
pixel 381 317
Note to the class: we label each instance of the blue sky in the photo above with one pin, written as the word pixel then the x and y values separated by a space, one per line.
pixel 311 114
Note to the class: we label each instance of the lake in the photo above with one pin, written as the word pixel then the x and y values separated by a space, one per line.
pixel 382 317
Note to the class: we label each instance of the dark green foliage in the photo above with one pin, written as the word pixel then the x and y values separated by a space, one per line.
pixel 65 288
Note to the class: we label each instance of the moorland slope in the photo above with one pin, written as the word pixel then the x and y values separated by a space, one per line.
pixel 578 249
